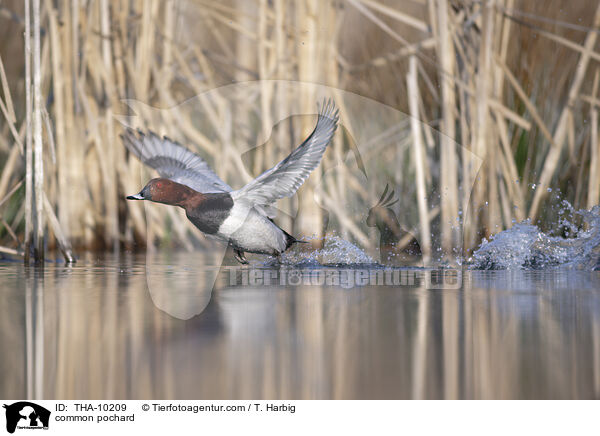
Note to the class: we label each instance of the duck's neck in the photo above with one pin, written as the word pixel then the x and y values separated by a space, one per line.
pixel 184 197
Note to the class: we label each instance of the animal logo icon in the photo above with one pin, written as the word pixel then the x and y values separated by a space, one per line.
pixel 397 246
pixel 27 415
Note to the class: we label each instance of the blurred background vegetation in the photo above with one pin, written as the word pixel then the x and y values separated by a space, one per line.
pixel 514 82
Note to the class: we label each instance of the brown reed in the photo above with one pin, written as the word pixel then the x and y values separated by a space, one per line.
pixel 486 78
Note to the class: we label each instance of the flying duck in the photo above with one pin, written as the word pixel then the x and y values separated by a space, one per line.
pixel 239 217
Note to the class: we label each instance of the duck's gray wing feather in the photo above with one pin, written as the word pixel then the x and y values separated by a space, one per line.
pixel 173 161
pixel 284 179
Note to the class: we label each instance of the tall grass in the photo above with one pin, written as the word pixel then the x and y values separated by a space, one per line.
pixel 512 81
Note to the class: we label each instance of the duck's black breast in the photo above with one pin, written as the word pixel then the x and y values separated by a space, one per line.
pixel 211 212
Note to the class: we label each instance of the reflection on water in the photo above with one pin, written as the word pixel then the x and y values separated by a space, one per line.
pixel 101 329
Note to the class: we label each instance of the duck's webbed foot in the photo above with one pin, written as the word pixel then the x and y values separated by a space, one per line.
pixel 240 257
pixel 277 257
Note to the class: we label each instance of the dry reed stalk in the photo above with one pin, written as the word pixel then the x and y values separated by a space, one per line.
pixel 412 86
pixel 427 130
pixel 266 90
pixel 28 140
pixel 339 188
pixel 497 106
pixel 525 99
pixel 220 39
pixel 380 23
pixel 63 242
pixel 510 171
pixel 397 15
pixel 580 185
pixel 234 25
pixel 38 236
pixel 11 251
pixel 433 22
pixel 449 196
pixel 282 99
pixel 505 203
pixel 508 114
pixel 18 218
pixel 560 132
pixel 6 197
pixel 10 231
pixel 59 112
pixel 236 12
pixel 430 86
pixel 68 152
pixel 383 61
pixel 111 192
pixel 593 197
pixel 4 146
pixel 505 24
pixel 309 220
pixel 73 11
pixel 98 185
pixel 144 49
pixel 571 137
pixel 448 187
pixel 183 120
pixel 47 125
pixel 467 179
pixel 169 39
pixel 8 109
pixel 569 44
pixel 72 186
pixel 486 143
pixel 10 166
pixel 110 138
pixel 590 100
pixel 119 66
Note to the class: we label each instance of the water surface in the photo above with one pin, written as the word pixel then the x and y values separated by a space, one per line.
pixel 145 327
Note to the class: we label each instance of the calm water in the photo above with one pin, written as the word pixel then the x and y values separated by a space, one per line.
pixel 168 326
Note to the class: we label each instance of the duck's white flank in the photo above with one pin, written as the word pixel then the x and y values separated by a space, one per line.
pixel 252 231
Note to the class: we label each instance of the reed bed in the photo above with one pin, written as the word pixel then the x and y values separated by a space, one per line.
pixel 514 83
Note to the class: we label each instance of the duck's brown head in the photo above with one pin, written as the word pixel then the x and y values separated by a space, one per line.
pixel 165 191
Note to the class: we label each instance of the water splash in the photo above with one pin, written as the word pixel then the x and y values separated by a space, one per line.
pixel 525 246
pixel 335 252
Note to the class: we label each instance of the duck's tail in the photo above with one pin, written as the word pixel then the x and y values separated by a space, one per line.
pixel 290 240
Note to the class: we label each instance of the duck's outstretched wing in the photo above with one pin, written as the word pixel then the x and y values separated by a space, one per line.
pixel 284 179
pixel 173 161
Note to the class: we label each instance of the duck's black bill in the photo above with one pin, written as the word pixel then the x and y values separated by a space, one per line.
pixel 135 197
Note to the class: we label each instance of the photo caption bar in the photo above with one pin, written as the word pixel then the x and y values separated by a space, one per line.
pixel 267 417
